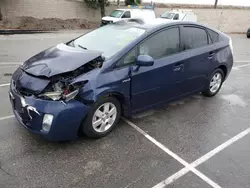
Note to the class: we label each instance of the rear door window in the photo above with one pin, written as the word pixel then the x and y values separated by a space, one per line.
pixel 193 37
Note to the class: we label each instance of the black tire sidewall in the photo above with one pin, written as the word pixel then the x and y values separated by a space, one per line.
pixel 207 92
pixel 87 127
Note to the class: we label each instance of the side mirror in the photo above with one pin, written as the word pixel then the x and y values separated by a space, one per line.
pixel 144 61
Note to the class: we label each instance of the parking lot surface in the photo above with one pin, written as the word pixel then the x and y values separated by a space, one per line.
pixel 196 142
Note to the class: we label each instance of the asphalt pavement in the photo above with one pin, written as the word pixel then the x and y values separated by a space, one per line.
pixel 196 142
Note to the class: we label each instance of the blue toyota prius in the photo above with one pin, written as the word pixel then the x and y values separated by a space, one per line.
pixel 86 84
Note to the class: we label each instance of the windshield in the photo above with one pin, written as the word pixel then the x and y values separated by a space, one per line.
pixel 116 13
pixel 168 15
pixel 108 39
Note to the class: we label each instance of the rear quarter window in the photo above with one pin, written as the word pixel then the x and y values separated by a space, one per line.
pixel 213 35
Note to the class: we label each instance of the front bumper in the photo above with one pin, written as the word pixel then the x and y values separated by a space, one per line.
pixel 104 22
pixel 67 117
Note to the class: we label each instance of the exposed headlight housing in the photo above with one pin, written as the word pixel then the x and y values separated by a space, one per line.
pixel 62 92
pixel 70 95
pixel 54 95
pixel 61 95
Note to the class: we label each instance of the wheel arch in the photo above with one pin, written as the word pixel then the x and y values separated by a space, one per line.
pixel 120 97
pixel 224 69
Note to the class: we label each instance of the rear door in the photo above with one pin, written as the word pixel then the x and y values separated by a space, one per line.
pixel 162 81
pixel 197 44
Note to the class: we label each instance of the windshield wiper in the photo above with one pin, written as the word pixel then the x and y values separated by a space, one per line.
pixel 82 47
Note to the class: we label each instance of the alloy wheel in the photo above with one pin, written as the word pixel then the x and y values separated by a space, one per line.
pixel 104 117
pixel 215 82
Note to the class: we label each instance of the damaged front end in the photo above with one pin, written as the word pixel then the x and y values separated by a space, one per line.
pixel 50 74
pixel 47 91
pixel 60 87
pixel 52 106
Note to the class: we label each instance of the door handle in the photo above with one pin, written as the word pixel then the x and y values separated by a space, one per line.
pixel 211 55
pixel 178 68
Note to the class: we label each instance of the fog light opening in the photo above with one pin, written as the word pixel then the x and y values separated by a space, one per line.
pixel 47 122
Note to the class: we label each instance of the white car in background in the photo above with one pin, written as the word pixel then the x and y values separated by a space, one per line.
pixel 145 13
pixel 179 15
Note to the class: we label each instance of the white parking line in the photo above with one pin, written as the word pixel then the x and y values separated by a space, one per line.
pixel 172 178
pixel 3 85
pixel 220 148
pixel 239 66
pixel 4 67
pixel 203 159
pixel 6 117
pixel 172 154
pixel 243 61
pixel 10 63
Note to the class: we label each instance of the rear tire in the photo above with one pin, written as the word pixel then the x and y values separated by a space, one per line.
pixel 215 82
pixel 102 118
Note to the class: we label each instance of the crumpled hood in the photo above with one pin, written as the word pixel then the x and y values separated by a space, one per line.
pixel 57 60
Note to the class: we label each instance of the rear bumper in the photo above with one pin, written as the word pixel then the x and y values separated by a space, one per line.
pixel 67 118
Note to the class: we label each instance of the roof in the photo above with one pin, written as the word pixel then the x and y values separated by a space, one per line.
pixel 142 23
pixel 155 24
pixel 148 24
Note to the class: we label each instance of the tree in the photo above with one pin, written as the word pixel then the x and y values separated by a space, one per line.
pixel 1 16
pixel 132 2
pixel 96 4
pixel 215 4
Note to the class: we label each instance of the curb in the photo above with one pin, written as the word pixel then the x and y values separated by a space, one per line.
pixel 17 31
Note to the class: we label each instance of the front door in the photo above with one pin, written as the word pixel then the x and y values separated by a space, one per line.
pixel 162 81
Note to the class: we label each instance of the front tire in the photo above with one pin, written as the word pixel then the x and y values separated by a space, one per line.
pixel 102 118
pixel 215 83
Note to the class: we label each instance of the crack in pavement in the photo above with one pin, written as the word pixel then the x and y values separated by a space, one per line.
pixel 5 172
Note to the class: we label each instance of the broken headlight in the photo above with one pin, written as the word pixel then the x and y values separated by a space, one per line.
pixel 62 92
pixel 54 95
